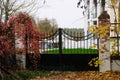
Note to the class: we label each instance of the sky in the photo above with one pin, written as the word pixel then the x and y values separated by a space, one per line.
pixel 65 12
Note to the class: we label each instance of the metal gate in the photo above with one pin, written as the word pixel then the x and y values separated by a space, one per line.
pixel 64 41
pixel 67 50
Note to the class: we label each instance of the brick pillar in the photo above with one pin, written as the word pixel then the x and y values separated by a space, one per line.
pixel 104 44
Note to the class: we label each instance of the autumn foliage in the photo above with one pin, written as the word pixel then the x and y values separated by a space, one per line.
pixel 24 30
pixel 19 27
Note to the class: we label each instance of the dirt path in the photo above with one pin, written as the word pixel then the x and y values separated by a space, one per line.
pixel 82 76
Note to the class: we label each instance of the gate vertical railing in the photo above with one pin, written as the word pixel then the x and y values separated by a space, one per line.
pixel 65 41
pixel 60 40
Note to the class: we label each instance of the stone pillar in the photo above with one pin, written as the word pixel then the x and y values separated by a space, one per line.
pixel 21 61
pixel 104 44
pixel 20 56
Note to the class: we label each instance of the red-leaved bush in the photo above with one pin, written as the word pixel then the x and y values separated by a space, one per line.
pixel 19 27
pixel 24 29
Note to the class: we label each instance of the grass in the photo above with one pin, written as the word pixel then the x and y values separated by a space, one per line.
pixel 27 74
pixel 72 51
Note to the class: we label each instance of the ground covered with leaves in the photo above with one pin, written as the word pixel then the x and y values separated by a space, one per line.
pixel 85 75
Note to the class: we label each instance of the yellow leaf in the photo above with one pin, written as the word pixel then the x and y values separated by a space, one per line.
pixel 67 79
pixel 113 2
pixel 110 53
pixel 93 46
pixel 91 28
pixel 111 40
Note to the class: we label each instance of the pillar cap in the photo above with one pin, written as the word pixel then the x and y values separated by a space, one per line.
pixel 104 15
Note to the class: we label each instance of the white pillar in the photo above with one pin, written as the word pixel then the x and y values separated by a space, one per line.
pixel 104 57
pixel 104 44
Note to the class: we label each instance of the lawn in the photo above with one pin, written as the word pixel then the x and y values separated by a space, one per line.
pixel 72 51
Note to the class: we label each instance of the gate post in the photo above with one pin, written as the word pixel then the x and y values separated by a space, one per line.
pixel 60 40
pixel 104 44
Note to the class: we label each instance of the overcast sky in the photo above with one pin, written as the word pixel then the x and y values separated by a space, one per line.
pixel 65 12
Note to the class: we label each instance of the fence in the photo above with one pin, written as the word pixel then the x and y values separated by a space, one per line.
pixel 67 50
pixel 115 34
pixel 68 42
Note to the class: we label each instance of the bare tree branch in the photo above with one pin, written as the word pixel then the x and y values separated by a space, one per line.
pixel 9 7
